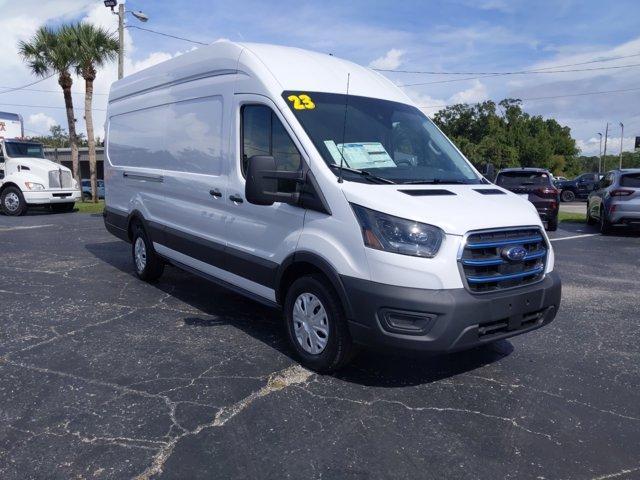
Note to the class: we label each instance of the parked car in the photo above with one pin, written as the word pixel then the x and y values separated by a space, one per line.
pixel 616 200
pixel 349 210
pixel 86 188
pixel 578 188
pixel 535 185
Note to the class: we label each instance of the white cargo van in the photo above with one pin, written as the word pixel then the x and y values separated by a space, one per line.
pixel 28 178
pixel 315 185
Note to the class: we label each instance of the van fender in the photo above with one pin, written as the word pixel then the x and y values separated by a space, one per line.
pixel 300 262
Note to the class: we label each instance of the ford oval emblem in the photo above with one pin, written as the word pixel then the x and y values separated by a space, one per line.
pixel 514 254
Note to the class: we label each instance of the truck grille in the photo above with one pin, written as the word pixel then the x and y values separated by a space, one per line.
pixel 484 265
pixel 60 179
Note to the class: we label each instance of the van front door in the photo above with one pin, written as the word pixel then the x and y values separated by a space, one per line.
pixel 260 237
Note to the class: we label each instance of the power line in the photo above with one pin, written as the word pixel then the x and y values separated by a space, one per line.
pixel 522 72
pixel 581 94
pixel 599 60
pixel 166 34
pixel 48 106
pixel 12 89
pixel 53 91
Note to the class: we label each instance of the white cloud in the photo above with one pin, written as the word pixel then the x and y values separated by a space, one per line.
pixel 389 61
pixel 476 93
pixel 41 122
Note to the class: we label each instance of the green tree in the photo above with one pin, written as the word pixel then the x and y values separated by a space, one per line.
pixel 48 53
pixel 505 135
pixel 93 47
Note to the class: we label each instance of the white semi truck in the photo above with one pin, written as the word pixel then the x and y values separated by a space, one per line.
pixel 27 177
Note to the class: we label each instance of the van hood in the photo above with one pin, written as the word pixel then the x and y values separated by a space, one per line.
pixel 456 209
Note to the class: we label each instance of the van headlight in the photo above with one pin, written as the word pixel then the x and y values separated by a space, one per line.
pixel 398 235
pixel 34 186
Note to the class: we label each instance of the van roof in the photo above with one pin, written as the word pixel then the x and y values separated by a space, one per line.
pixel 289 68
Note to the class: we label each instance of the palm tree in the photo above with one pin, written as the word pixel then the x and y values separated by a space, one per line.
pixel 93 47
pixel 47 53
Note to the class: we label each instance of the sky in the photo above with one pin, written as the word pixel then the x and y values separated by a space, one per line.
pixel 434 36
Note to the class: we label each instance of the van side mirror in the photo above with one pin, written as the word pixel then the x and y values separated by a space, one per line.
pixel 261 187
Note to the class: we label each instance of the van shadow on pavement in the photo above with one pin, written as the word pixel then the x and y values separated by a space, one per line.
pixel 265 324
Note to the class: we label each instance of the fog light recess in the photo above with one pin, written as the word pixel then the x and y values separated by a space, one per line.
pixel 406 322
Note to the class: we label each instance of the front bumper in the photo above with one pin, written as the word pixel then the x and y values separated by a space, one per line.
pixel 457 319
pixel 45 197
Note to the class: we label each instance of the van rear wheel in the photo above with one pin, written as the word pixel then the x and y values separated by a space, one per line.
pixel 12 202
pixel 147 264
pixel 316 325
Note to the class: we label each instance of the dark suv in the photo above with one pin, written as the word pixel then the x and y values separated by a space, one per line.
pixel 535 185
pixel 579 187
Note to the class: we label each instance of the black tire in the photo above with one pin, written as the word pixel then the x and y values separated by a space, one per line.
pixel 552 224
pixel 567 196
pixel 87 197
pixel 63 207
pixel 339 349
pixel 605 224
pixel 153 266
pixel 12 202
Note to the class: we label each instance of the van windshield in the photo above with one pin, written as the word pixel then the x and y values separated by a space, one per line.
pixel 382 140
pixel 24 149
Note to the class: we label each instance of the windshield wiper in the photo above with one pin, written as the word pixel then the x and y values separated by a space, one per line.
pixel 364 173
pixel 436 181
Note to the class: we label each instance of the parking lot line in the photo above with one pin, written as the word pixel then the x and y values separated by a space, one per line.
pixel 8 229
pixel 575 236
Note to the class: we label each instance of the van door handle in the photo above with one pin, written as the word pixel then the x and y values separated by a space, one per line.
pixel 215 193
pixel 236 198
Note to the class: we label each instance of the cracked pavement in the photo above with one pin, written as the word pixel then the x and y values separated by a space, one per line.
pixel 103 376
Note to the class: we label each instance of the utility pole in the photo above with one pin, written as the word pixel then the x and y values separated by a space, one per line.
pixel 621 140
pixel 600 157
pixel 120 41
pixel 120 13
pixel 604 157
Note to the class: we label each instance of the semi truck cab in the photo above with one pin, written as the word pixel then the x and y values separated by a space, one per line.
pixel 27 178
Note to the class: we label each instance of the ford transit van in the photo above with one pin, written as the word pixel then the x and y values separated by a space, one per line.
pixel 315 185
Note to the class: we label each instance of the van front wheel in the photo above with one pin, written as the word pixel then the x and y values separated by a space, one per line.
pixel 147 264
pixel 316 325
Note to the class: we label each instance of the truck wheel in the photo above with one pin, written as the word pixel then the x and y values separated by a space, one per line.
pixel 13 203
pixel 552 224
pixel 63 207
pixel 148 265
pixel 605 224
pixel 567 196
pixel 316 326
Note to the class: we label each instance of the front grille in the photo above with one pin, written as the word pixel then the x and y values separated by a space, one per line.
pixel 484 269
pixel 60 179
pixel 499 327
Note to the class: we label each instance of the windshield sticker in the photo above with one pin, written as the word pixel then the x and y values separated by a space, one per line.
pixel 301 102
pixel 360 155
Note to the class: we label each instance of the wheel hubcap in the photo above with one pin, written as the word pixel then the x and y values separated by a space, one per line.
pixel 140 254
pixel 310 323
pixel 12 201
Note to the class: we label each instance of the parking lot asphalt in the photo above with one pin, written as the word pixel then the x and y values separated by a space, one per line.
pixel 104 376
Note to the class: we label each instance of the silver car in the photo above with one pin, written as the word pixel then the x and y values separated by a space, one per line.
pixel 615 200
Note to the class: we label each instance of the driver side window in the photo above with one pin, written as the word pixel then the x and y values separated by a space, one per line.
pixel 264 134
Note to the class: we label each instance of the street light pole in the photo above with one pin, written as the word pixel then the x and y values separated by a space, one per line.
pixel 604 157
pixel 120 13
pixel 600 157
pixel 120 41
pixel 621 140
